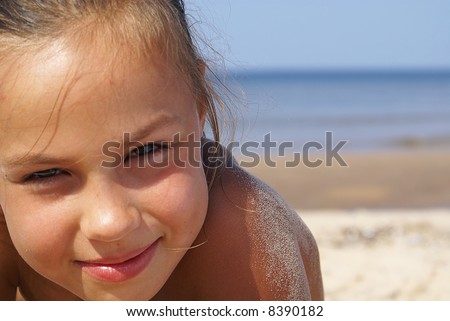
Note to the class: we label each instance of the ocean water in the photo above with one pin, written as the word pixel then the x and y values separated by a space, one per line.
pixel 372 111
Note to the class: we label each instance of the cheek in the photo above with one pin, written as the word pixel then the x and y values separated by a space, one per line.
pixel 39 233
pixel 181 204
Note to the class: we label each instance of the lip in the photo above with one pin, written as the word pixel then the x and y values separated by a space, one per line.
pixel 120 268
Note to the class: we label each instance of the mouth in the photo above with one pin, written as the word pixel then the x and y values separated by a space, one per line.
pixel 122 268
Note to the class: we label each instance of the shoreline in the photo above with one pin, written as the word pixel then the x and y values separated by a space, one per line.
pixel 391 180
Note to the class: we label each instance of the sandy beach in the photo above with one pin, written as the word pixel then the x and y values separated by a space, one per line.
pixel 383 254
pixel 382 223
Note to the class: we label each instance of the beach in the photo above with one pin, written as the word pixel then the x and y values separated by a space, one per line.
pixel 382 223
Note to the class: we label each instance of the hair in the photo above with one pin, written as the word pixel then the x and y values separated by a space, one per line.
pixel 138 26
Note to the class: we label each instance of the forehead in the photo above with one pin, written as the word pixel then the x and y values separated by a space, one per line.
pixel 60 66
pixel 59 72
pixel 45 89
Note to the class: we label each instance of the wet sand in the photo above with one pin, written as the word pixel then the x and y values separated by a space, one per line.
pixel 382 224
pixel 383 180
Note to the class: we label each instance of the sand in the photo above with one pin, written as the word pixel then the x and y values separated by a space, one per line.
pixel 382 224
pixel 383 180
pixel 383 255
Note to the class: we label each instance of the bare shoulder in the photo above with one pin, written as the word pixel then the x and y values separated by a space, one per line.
pixel 285 257
pixel 9 276
pixel 257 248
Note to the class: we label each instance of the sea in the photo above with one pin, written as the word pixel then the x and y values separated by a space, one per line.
pixel 370 111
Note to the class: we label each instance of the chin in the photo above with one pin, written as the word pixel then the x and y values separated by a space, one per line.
pixel 112 296
pixel 127 292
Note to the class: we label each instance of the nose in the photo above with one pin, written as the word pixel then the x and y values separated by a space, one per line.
pixel 107 214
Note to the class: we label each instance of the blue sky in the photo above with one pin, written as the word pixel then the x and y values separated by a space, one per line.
pixel 327 34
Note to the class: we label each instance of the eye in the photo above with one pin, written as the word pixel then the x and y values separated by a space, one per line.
pixel 44 176
pixel 144 150
pixel 152 154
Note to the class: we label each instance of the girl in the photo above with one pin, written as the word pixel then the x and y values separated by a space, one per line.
pixel 105 193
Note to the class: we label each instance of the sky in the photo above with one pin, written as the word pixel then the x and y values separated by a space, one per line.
pixel 326 34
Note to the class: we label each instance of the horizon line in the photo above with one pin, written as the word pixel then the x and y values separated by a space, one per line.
pixel 283 70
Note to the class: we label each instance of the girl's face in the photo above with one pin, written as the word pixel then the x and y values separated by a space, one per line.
pixel 93 198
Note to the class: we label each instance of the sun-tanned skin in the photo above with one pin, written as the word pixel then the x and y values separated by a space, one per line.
pixel 205 273
pixel 223 268
pixel 68 215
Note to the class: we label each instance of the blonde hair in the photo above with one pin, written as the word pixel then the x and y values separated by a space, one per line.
pixel 137 25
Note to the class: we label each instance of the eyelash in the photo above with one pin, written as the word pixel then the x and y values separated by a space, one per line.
pixel 145 150
pixel 47 176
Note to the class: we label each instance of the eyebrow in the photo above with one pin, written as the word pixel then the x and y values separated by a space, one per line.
pixel 147 129
pixel 32 158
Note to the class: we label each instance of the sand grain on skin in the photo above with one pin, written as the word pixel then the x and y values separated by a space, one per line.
pixel 275 236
